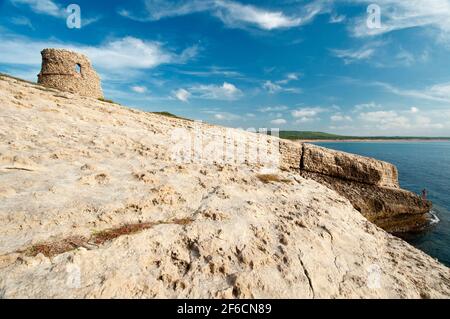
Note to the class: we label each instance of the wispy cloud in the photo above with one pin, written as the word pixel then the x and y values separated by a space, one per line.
pixel 23 21
pixel 395 120
pixel 139 89
pixel 400 14
pixel 231 13
pixel 338 117
pixel 223 116
pixel 289 77
pixel 307 114
pixel 337 18
pixel 53 9
pixel 366 106
pixel 439 92
pixel 274 88
pixel 278 122
pixel 269 109
pixel 127 53
pixel 212 71
pixel 366 52
pixel 226 91
pixel 47 7
pixel 182 95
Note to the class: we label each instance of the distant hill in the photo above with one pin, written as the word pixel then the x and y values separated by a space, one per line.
pixel 308 135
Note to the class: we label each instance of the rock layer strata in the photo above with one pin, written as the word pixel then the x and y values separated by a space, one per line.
pixel 370 185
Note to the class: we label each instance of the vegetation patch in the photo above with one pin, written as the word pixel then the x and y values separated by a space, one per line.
pixel 307 135
pixel 56 248
pixel 107 100
pixel 68 244
pixel 167 114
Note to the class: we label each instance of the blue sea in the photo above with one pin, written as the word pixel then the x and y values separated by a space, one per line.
pixel 421 165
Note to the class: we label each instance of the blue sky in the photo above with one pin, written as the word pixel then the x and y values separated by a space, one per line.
pixel 288 64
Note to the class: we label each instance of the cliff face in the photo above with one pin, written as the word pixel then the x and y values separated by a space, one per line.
pixel 370 185
pixel 92 204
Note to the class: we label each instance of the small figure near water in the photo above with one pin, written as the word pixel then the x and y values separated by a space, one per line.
pixel 424 197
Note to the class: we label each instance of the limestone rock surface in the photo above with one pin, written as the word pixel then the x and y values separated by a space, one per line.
pixel 93 205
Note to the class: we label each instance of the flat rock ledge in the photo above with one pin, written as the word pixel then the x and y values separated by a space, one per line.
pixel 370 185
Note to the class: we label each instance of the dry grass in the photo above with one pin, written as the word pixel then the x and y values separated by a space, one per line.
pixel 110 234
pixel 99 238
pixel 272 178
pixel 56 248
pixel 107 101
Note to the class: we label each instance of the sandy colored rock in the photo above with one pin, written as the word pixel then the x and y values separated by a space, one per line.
pixel 73 167
pixel 291 155
pixel 347 166
pixel 69 71
pixel 393 209
pixel 370 185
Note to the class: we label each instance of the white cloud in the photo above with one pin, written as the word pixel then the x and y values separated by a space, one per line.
pixel 47 7
pixel 271 87
pixel 439 92
pixel 426 122
pixel 139 89
pixel 336 18
pixel 87 21
pixel 182 95
pixel 51 8
pixel 308 114
pixel 278 121
pixel 274 88
pixel 340 118
pixel 289 77
pixel 400 14
pixel 414 110
pixel 224 116
pixel 213 71
pixel 385 119
pixel 304 120
pixel 396 120
pixel 226 91
pixel 231 13
pixel 278 108
pixel 23 21
pixel 365 106
pixel 128 53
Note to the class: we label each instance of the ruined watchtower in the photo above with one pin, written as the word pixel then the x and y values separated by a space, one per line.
pixel 69 71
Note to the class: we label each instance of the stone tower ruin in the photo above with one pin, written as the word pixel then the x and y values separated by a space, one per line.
pixel 69 71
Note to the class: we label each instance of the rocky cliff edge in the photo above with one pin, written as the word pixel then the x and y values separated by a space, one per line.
pixel 92 205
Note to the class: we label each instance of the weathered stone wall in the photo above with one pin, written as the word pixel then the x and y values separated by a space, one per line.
pixel 69 71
